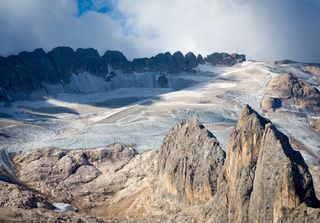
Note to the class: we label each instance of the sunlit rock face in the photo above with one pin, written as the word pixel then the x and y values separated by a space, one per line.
pixel 262 174
pixel 189 161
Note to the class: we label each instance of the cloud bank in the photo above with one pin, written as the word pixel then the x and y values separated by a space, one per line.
pixel 262 29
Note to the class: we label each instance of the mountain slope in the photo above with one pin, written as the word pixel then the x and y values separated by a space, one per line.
pixel 261 180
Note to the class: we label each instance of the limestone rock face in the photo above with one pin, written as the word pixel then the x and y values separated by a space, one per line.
pixel 140 64
pixel 179 60
pixel 38 63
pixel 301 214
pixel 189 161
pixel 88 60
pixel 15 78
pixel 293 93
pixel 191 60
pixel 12 195
pixel 62 59
pixel 225 59
pixel 159 63
pixel 200 59
pixel 262 175
pixel 117 61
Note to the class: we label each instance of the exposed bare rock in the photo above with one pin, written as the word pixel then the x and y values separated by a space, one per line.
pixel 91 180
pixel 190 159
pixel 37 215
pixel 301 214
pixel 262 175
pixel 200 59
pixel 314 69
pixel 292 93
pixel 314 123
pixel 191 60
pixel 269 102
pixel 225 59
pixel 12 195
pixel 117 61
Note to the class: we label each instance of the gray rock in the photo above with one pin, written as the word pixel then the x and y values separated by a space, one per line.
pixel 191 60
pixel 262 175
pixel 117 61
pixel 200 59
pixel 189 161
pixel 141 65
pixel 63 59
pixel 179 60
pixel 88 60
pixel 40 66
pixel 159 63
pixel 225 59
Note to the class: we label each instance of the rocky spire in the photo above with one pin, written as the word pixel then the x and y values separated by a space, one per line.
pixel 189 161
pixel 262 175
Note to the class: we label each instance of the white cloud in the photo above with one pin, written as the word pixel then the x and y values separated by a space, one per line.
pixel 263 29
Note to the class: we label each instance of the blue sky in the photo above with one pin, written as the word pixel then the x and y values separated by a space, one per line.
pixel 262 29
pixel 100 6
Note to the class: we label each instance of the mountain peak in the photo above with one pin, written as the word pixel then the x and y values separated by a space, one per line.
pixel 189 161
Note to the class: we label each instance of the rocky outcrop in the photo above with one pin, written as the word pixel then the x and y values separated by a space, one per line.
pixel 225 59
pixel 189 161
pixel 313 69
pixel 117 61
pixel 12 195
pixel 191 60
pixel 262 176
pixel 288 92
pixel 200 59
pixel 88 60
pixel 314 124
pixel 63 59
pixel 38 63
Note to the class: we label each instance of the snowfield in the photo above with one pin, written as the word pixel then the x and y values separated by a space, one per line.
pixel 133 109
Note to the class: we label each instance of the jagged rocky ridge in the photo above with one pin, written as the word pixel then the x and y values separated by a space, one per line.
pixel 261 179
pixel 27 72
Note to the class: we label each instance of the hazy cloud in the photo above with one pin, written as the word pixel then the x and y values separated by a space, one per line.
pixel 263 29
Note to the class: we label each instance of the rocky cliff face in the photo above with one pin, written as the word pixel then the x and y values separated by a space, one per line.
pixel 190 159
pixel 262 176
pixel 262 179
pixel 29 71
